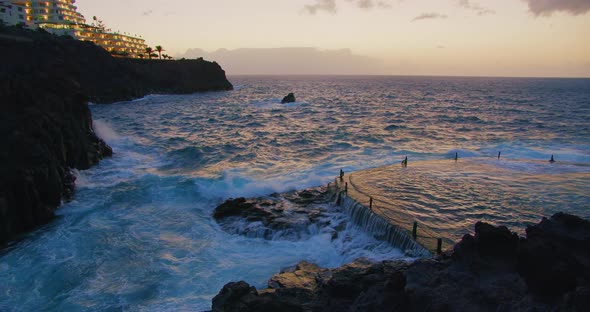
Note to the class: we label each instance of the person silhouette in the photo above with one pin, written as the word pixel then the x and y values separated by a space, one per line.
pixel 552 160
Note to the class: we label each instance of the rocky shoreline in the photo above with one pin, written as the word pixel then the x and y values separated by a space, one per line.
pixel 46 129
pixel 287 216
pixel 493 270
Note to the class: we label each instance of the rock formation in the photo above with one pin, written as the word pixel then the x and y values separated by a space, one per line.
pixel 494 270
pixel 46 125
pixel 45 129
pixel 285 216
pixel 290 98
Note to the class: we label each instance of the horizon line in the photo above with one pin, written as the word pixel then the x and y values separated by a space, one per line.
pixel 412 75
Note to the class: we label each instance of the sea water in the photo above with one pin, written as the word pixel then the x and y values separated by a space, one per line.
pixel 138 234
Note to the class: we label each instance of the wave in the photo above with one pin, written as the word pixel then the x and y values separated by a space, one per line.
pixel 105 131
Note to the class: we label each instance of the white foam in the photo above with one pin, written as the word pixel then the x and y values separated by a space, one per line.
pixel 81 179
pixel 105 131
pixel 147 97
pixel 237 184
pixel 462 153
pixel 541 153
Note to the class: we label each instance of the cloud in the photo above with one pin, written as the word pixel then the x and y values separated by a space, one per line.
pixel 321 5
pixel 548 7
pixel 425 16
pixel 330 6
pixel 291 60
pixel 467 4
pixel 369 4
pixel 147 13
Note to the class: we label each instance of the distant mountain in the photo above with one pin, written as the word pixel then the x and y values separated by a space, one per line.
pixel 294 60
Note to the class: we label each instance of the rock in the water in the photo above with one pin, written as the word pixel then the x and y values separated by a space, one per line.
pixel 290 98
pixel 285 216
pixel 393 127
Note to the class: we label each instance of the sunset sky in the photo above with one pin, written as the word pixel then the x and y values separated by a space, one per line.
pixel 413 37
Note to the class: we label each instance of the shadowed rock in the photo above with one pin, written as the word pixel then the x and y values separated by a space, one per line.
pixel 493 247
pixel 555 257
pixel 290 98
pixel 287 215
pixel 494 270
pixel 46 125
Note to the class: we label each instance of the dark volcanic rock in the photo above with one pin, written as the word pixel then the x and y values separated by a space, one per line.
pixel 45 124
pixel 290 98
pixel 45 129
pixel 479 275
pixel 555 257
pixel 102 78
pixel 286 215
pixel 492 247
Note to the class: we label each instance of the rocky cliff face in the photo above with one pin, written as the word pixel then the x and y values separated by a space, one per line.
pixel 45 129
pixel 45 124
pixel 494 270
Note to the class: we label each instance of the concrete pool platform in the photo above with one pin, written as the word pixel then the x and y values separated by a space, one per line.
pixel 445 198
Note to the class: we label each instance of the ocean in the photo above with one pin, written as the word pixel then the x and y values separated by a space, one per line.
pixel 138 234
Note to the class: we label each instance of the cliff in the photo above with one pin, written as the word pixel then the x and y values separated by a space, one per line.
pixel 45 123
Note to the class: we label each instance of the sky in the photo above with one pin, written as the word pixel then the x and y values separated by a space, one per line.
pixel 522 38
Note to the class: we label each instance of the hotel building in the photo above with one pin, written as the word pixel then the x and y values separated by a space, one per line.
pixel 12 14
pixel 62 18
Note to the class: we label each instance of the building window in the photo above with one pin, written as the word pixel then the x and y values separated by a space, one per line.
pixel 3 10
pixel 20 9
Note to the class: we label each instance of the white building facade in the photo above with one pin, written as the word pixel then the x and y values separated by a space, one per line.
pixel 12 14
pixel 62 18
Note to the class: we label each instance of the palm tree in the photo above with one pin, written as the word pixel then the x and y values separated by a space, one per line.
pixel 159 49
pixel 149 51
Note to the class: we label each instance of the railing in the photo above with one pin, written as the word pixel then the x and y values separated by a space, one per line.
pixel 421 234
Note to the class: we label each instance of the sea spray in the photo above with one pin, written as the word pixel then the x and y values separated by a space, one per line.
pixel 381 228
pixel 138 234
